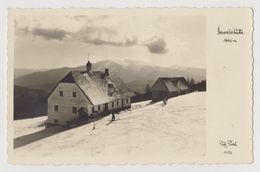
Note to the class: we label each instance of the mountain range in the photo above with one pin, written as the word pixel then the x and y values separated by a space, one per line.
pixel 21 71
pixel 33 86
pixel 131 71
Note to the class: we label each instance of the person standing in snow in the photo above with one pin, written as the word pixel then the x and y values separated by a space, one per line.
pixel 113 116
pixel 165 100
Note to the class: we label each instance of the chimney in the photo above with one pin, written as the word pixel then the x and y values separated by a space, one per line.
pixel 106 71
pixel 89 66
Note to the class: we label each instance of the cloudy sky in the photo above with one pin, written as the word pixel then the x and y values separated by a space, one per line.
pixel 42 42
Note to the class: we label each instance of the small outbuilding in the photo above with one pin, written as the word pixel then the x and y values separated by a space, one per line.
pixel 168 87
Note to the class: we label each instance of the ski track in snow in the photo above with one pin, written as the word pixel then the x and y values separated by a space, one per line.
pixel 176 129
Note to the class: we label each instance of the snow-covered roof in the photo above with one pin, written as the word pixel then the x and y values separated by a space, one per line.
pixel 171 83
pixel 94 85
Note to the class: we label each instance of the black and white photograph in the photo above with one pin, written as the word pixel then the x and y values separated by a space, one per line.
pixel 129 86
pixel 96 86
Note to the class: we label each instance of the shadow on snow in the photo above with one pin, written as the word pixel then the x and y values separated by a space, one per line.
pixel 47 132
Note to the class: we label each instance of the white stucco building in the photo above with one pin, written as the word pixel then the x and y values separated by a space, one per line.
pixel 81 93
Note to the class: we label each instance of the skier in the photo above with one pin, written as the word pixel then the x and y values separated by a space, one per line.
pixel 165 100
pixel 113 116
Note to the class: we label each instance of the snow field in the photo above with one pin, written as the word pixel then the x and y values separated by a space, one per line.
pixel 148 130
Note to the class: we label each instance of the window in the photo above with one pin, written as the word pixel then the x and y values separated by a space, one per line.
pixel 99 108
pixel 112 104
pixel 61 93
pixel 126 100
pixel 56 108
pixel 74 94
pixel 93 109
pixel 117 103
pixel 74 110
pixel 55 121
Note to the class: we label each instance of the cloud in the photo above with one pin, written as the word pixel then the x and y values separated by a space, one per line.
pixel 104 36
pixel 156 45
pixel 98 41
pixel 49 34
pixel 100 30
pixel 25 30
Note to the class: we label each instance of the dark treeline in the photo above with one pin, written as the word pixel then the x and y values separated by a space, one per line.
pixel 29 103
pixel 147 95
pixel 199 86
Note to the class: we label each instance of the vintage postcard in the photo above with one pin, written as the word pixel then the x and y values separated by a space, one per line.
pixel 129 86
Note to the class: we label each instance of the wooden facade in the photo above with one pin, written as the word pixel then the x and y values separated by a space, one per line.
pixel 165 88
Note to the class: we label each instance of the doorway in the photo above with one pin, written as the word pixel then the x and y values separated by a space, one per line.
pixel 83 113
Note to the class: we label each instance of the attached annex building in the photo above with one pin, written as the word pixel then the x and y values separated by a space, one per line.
pixel 168 87
pixel 82 93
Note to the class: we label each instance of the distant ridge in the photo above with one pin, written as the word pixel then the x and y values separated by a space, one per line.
pixel 128 70
pixel 21 71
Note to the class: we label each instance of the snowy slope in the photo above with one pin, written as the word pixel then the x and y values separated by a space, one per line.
pixel 148 130
pixel 28 126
